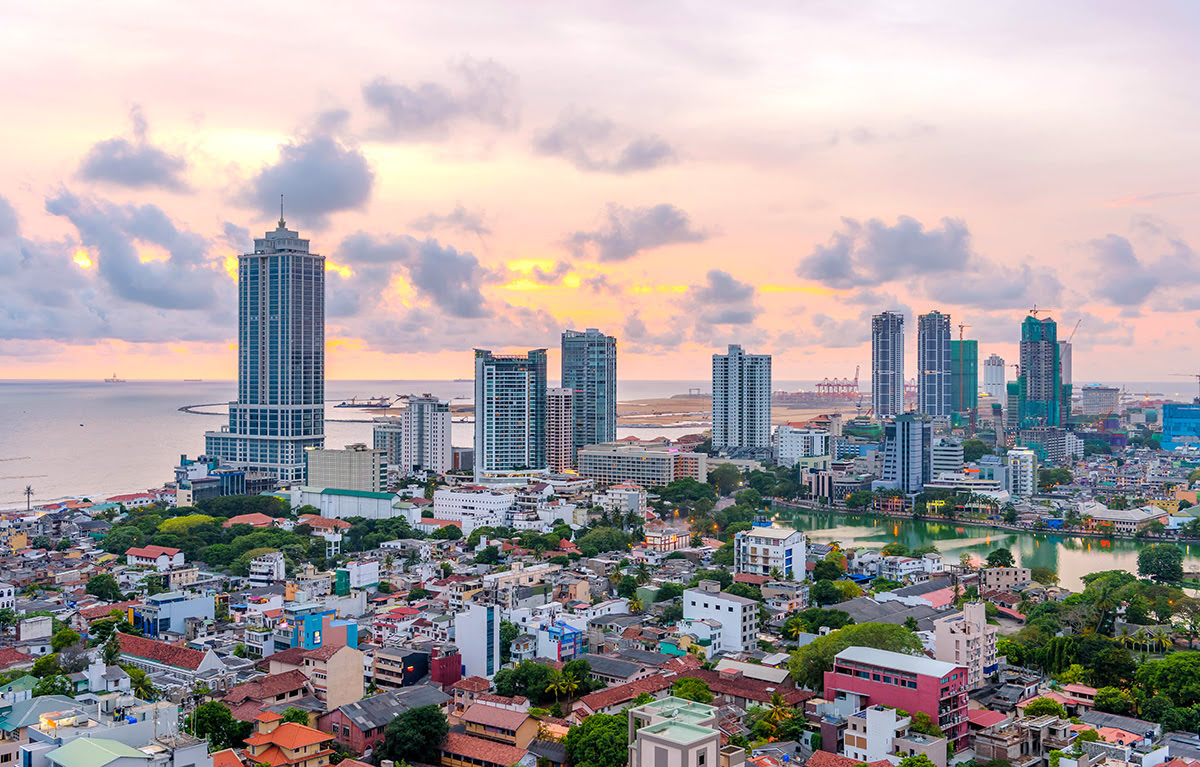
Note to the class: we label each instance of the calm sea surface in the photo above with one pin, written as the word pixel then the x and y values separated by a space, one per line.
pixel 68 438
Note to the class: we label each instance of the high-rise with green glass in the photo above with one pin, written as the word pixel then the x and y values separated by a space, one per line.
pixel 1040 386
pixel 964 376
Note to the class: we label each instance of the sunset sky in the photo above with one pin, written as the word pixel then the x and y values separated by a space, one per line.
pixel 680 175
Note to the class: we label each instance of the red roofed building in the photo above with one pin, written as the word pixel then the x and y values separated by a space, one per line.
pixel 159 557
pixel 246 701
pixel 257 519
pixel 611 699
pixel 153 656
pixel 324 524
pixel 11 659
pixel 134 500
pixel 288 744
pixel 229 758
pixel 462 750
pixel 85 617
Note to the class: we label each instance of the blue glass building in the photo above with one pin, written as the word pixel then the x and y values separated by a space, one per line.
pixel 280 410
pixel 1181 426
pixel 510 412
pixel 589 370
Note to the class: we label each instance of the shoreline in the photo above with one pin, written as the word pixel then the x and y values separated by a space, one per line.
pixel 986 524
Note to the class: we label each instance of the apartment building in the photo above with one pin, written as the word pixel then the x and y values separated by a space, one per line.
pixel 865 676
pixel 161 558
pixel 288 744
pixel 267 569
pixel 472 506
pixel 673 732
pixel 1003 578
pixel 792 443
pixel 876 732
pixel 967 640
pixel 738 616
pixel 649 464
pixel 357 467
pixel 775 551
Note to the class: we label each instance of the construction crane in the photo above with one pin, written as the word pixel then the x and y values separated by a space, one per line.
pixel 1190 375
pixel 1034 311
pixel 1077 324
pixel 962 326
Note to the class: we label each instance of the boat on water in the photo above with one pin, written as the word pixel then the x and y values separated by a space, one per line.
pixel 192 380
pixel 375 402
pixel 114 379
pixel 463 380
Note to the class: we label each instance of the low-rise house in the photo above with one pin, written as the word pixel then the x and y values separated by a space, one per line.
pixel 513 728
pixel 247 700
pixel 288 744
pixel 360 725
pixel 161 558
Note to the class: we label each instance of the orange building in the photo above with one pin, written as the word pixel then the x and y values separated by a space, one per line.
pixel 286 744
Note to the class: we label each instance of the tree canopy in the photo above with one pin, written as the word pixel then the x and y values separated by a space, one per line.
pixel 415 735
pixel 600 740
pixel 809 663
pixel 1163 561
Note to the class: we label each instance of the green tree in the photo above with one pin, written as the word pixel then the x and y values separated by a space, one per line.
pixel 489 555
pixel 41 542
pixel 239 650
pixel 1000 558
pixel 104 586
pixel 415 735
pixel 1161 561
pixel 1043 706
pixel 826 571
pixel 63 639
pixel 212 720
pixel 294 714
pixel 1113 700
pixel 974 449
pixel 45 666
pixel 599 741
pixel 508 633
pixel 112 651
pixel 916 760
pixel 725 478
pixel 809 663
pixel 1044 575
pixel 447 533
pixel 825 593
pixel 54 685
pixel 860 499
pixel 690 688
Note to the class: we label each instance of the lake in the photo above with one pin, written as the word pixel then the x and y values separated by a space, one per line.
pixel 1072 557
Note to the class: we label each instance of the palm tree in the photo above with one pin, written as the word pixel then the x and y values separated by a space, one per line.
pixel 1162 638
pixel 28 496
pixel 567 685
pixel 635 605
pixel 642 573
pixel 778 711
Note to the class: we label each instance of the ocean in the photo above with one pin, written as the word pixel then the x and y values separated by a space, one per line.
pixel 70 438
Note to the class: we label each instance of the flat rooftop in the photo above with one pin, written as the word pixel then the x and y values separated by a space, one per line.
pixel 915 664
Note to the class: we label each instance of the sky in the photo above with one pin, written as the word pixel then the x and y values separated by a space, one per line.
pixel 680 175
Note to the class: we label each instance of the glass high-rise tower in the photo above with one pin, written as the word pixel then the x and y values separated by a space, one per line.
pixel 1039 383
pixel 589 370
pixel 887 364
pixel 933 364
pixel 741 399
pixel 964 376
pixel 510 412
pixel 280 409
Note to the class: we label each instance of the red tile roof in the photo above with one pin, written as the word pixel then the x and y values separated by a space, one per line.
pixel 151 552
pixel 615 696
pixel 826 759
pixel 472 684
pixel 257 519
pixel 494 716
pixel 754 580
pixel 10 657
pixel 324 523
pixel 750 689
pixel 267 688
pixel 160 652
pixel 982 717
pixel 226 758
pixel 98 612
pixel 488 751
pixel 289 735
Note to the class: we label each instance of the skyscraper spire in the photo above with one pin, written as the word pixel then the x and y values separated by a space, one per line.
pixel 282 223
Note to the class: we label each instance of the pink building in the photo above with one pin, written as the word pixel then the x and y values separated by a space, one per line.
pixel 910 682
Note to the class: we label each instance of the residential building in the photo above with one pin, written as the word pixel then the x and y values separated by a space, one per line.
pixel 266 569
pixel 738 616
pixel 775 551
pixel 247 700
pixel 510 412
pixel 1181 426
pixel 181 663
pixel 865 676
pixel 967 639
pixel 1022 472
pixel 673 732
pixel 1099 400
pixel 288 744
pixel 877 732
pixel 360 725
pixel 741 403
pixel 280 410
pixel 933 364
pixel 169 612
pixel 907 454
pixel 649 464
pixel 477 636
pixel 335 672
pixel 503 725
pixel 792 443
pixel 560 641
pixel 667 540
pixel 1003 578
pixel 622 499
pixel 589 371
pixel 1025 741
pixel 161 558
pixel 1040 386
pixel 560 431
pixel 964 376
pixel 887 364
pixel 995 375
pixel 418 440
pixel 472 506
pixel 358 468
pixel 462 750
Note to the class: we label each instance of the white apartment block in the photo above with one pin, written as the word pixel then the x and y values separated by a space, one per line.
pixel 358 467
pixel 872 732
pixel 622 499
pixel 738 616
pixel 947 456
pixel 1022 472
pixel 363 573
pixel 418 440
pixel 906 569
pixel 653 464
pixel 761 550
pixel 792 443
pixel 1003 578
pixel 472 506
pixel 267 569
pixel 560 429
pixel 967 640
pixel 741 402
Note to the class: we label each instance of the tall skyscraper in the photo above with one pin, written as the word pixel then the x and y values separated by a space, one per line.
pixel 887 364
pixel 280 409
pixel 589 370
pixel 994 377
pixel 418 440
pixel 933 364
pixel 907 454
pixel 1040 379
pixel 964 376
pixel 510 411
pixel 560 420
pixel 741 403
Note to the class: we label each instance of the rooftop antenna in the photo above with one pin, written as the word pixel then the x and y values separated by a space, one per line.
pixel 281 221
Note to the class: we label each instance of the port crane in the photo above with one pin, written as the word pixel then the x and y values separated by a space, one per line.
pixel 1190 375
